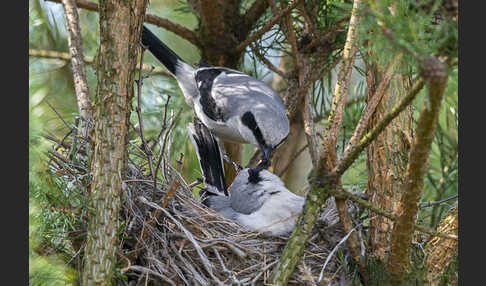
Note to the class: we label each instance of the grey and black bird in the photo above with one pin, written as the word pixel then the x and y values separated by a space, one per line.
pixel 234 106
pixel 258 199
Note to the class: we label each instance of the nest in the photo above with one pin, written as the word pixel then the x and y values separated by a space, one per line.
pixel 175 240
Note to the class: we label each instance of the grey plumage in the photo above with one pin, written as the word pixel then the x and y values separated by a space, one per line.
pixel 234 106
pixel 258 198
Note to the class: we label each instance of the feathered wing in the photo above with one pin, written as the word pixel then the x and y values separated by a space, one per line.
pixel 209 156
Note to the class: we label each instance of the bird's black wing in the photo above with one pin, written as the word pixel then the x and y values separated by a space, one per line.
pixel 205 78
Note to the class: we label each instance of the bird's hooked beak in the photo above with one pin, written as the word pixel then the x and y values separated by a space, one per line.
pixel 267 152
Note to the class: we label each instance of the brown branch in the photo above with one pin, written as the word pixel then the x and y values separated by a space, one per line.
pixel 241 47
pixel 177 29
pixel 77 62
pixel 48 54
pixel 370 107
pixel 434 72
pixel 288 29
pixel 270 66
pixel 255 12
pixel 345 162
pixel 342 84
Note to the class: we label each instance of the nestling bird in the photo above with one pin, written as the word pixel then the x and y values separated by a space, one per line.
pixel 258 199
pixel 234 106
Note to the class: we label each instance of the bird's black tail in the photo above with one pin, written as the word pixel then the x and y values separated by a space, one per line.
pixel 209 157
pixel 163 53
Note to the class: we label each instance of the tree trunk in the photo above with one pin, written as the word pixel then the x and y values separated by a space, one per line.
pixel 120 29
pixel 386 158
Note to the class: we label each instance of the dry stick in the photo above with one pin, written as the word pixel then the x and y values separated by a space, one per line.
pixel 370 107
pixel 241 47
pixel 88 60
pixel 77 62
pixel 434 72
pixel 149 18
pixel 164 125
pixel 165 141
pixel 146 150
pixel 355 151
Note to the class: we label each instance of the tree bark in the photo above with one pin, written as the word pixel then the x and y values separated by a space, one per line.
pixel 386 158
pixel 120 30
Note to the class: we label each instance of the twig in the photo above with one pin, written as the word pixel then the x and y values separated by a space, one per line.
pixel 77 62
pixel 349 196
pixel 147 151
pixel 270 66
pixel 370 107
pixel 149 18
pixel 429 204
pixel 165 140
pixel 329 256
pixel 266 28
pixel 346 161
pixel 89 60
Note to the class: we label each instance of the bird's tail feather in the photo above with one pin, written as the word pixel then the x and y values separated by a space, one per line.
pixel 163 53
pixel 209 156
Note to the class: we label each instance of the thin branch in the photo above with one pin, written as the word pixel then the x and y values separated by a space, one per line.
pixel 342 84
pixel 429 204
pixel 434 72
pixel 255 12
pixel 340 193
pixel 77 62
pixel 241 47
pixel 48 54
pixel 345 162
pixel 267 62
pixel 370 107
pixel 147 151
pixel 177 29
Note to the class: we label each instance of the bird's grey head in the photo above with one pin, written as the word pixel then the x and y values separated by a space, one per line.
pixel 265 129
pixel 254 176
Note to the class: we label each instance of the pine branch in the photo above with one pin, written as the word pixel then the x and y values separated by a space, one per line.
pixel 77 62
pixel 355 151
pixel 434 72
pixel 370 107
pixel 342 84
pixel 48 54
pixel 177 29
pixel 241 47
